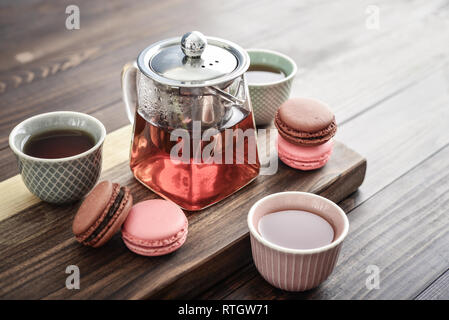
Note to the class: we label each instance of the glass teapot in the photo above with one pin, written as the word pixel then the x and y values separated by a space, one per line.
pixel 194 139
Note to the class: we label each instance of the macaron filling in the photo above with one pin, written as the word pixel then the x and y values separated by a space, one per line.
pixel 304 157
pixel 297 136
pixel 151 248
pixel 108 217
pixel 155 243
pixel 155 227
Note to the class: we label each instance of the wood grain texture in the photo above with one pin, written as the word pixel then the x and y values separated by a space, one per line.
pixel 37 245
pixel 388 87
pixel 79 70
pixel 407 240
pixel 401 132
pixel 437 290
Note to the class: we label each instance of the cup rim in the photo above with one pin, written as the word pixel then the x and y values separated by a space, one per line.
pixel 276 247
pixel 21 154
pixel 288 78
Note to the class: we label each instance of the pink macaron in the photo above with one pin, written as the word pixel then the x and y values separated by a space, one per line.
pixel 304 157
pixel 155 227
pixel 306 127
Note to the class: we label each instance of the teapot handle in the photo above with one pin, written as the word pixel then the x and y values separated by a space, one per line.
pixel 129 89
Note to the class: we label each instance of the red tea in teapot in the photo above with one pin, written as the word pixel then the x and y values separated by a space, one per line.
pixel 195 182
pixel 194 139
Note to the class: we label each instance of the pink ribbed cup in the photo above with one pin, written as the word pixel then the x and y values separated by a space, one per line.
pixel 294 269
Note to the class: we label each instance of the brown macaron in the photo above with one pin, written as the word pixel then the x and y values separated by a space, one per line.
pixel 305 121
pixel 102 214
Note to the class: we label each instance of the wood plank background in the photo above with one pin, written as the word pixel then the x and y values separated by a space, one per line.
pixel 388 87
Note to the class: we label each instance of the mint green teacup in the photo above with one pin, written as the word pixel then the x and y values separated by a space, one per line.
pixel 267 97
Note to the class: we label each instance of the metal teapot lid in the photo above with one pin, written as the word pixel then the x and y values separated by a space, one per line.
pixel 193 61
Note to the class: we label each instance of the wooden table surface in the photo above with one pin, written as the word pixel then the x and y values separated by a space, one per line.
pixel 388 86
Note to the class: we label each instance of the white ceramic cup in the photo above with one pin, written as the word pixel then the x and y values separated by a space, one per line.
pixel 296 269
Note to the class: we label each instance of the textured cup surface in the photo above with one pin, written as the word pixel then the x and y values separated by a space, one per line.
pixel 294 269
pixel 60 180
pixel 267 97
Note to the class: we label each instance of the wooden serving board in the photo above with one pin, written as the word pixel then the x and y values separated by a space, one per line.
pixel 36 243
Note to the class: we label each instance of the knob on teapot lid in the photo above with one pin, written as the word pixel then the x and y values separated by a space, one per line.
pixel 193 44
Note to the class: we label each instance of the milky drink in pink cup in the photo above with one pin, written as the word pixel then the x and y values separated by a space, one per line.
pixel 296 238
